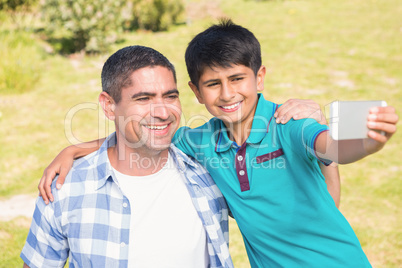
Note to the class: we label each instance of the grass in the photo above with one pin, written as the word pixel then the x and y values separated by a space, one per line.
pixel 323 50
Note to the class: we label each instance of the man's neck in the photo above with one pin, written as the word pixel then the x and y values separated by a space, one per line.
pixel 134 162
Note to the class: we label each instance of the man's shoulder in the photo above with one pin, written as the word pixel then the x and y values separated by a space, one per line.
pixel 83 169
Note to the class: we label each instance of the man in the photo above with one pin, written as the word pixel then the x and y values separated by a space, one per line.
pixel 138 200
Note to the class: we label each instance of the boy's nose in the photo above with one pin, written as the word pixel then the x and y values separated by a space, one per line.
pixel 227 92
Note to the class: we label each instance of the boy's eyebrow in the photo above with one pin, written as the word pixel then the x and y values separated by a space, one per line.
pixel 218 79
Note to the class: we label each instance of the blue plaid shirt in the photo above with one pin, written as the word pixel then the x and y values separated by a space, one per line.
pixel 89 220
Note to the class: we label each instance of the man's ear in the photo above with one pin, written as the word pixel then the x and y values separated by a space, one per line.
pixel 260 78
pixel 197 93
pixel 108 105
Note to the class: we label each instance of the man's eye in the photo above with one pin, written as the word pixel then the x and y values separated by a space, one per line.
pixel 238 78
pixel 173 97
pixel 143 99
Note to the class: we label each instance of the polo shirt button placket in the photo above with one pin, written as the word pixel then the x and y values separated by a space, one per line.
pixel 241 168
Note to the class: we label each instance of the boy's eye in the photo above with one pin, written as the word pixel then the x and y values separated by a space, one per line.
pixel 238 78
pixel 212 84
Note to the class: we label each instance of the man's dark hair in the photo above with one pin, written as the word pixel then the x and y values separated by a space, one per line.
pixel 223 45
pixel 118 68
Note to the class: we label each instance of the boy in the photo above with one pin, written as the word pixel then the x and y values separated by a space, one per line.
pixel 268 171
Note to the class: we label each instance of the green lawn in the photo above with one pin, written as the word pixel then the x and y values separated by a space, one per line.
pixel 322 50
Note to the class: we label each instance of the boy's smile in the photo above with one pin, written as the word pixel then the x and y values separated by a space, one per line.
pixel 230 94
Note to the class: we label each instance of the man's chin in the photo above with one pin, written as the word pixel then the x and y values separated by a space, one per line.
pixel 160 147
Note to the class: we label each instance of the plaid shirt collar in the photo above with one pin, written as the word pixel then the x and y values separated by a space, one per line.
pixel 104 169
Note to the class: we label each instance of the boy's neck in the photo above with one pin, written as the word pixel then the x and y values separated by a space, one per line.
pixel 239 132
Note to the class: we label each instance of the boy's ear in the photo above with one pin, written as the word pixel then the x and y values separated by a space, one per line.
pixel 260 78
pixel 197 93
pixel 108 105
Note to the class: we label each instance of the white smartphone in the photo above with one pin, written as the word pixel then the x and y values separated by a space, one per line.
pixel 348 119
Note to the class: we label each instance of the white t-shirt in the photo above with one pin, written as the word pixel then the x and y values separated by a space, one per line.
pixel 165 229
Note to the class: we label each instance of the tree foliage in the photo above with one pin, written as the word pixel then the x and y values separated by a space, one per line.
pixel 84 25
pixel 92 26
pixel 16 5
pixel 155 15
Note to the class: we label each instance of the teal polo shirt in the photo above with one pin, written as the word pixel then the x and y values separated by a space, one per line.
pixel 276 191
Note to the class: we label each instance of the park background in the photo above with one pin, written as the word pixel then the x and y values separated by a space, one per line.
pixel 320 50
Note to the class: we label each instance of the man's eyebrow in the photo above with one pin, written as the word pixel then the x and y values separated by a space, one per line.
pixel 172 91
pixel 151 94
pixel 143 94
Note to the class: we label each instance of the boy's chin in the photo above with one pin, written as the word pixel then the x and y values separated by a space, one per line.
pixel 229 122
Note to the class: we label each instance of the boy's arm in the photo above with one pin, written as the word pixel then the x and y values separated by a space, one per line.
pixel 348 151
pixel 62 164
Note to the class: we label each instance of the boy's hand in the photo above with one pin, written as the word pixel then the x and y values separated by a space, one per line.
pixel 299 109
pixel 382 119
pixel 60 165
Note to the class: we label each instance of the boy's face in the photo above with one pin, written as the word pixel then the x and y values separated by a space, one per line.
pixel 230 93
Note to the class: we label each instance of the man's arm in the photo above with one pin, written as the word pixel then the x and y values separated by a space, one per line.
pixel 382 119
pixel 25 265
pixel 299 109
pixel 332 179
pixel 62 164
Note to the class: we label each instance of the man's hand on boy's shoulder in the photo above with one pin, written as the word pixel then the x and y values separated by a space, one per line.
pixel 382 124
pixel 299 109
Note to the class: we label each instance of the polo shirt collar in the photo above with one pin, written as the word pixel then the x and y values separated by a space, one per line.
pixel 222 141
pixel 262 119
pixel 259 129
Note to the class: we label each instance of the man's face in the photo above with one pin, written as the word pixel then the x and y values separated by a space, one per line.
pixel 230 93
pixel 149 111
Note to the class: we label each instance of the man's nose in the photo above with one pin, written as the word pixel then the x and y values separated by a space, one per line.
pixel 160 110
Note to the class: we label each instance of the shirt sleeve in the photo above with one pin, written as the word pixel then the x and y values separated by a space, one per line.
pixel 302 135
pixel 186 141
pixel 45 246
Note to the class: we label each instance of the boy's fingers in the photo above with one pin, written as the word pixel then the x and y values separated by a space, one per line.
pixel 386 109
pixel 48 191
pixel 61 178
pixel 42 192
pixel 377 137
pixel 384 117
pixel 389 129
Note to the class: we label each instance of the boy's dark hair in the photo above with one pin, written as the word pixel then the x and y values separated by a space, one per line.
pixel 118 68
pixel 223 45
